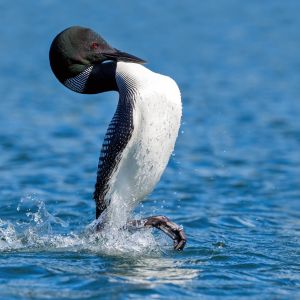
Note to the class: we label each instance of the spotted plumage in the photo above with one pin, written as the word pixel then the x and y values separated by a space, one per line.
pixel 117 136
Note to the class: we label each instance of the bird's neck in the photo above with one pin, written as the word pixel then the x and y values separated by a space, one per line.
pixel 110 76
pixel 94 79
pixel 102 78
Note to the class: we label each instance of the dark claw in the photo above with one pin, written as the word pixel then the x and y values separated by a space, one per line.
pixel 162 223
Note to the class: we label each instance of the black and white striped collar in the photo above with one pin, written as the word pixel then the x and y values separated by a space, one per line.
pixel 78 83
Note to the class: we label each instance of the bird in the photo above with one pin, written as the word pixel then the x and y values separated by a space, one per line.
pixel 142 133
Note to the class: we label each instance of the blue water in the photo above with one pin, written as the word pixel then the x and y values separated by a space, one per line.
pixel 233 181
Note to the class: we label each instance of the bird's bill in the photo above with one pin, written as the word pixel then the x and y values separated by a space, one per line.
pixel 118 55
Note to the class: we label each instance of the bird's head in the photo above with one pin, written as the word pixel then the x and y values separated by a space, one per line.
pixel 78 49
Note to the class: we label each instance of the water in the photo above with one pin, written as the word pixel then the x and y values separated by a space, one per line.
pixel 233 181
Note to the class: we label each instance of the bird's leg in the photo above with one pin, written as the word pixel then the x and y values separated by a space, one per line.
pixel 162 223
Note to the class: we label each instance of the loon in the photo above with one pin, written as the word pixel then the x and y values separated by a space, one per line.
pixel 142 133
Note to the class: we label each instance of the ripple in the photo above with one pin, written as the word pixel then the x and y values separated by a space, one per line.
pixel 233 182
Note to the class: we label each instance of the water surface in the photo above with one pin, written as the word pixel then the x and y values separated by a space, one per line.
pixel 233 181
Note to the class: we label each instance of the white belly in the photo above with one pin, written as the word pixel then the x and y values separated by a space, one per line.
pixel 157 115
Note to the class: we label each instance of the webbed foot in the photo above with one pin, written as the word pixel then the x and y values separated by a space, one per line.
pixel 174 231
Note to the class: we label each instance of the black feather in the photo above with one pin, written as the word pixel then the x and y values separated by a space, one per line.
pixel 117 137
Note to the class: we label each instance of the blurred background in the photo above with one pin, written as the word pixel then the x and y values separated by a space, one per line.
pixel 233 180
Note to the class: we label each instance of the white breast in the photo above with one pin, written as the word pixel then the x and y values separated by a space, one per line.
pixel 156 119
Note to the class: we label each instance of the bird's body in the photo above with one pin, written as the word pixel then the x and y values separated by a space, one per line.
pixel 142 133
pixel 156 105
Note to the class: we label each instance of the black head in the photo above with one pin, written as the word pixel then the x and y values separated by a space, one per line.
pixel 77 48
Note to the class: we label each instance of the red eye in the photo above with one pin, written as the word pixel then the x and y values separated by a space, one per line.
pixel 94 46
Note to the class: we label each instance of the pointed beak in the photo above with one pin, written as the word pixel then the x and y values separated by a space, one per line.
pixel 118 55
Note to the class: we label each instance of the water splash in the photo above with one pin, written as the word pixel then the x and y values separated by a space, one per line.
pixel 36 233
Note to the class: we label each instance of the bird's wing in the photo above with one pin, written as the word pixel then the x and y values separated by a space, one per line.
pixel 117 136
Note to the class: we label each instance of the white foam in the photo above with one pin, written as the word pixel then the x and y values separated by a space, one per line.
pixel 37 234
